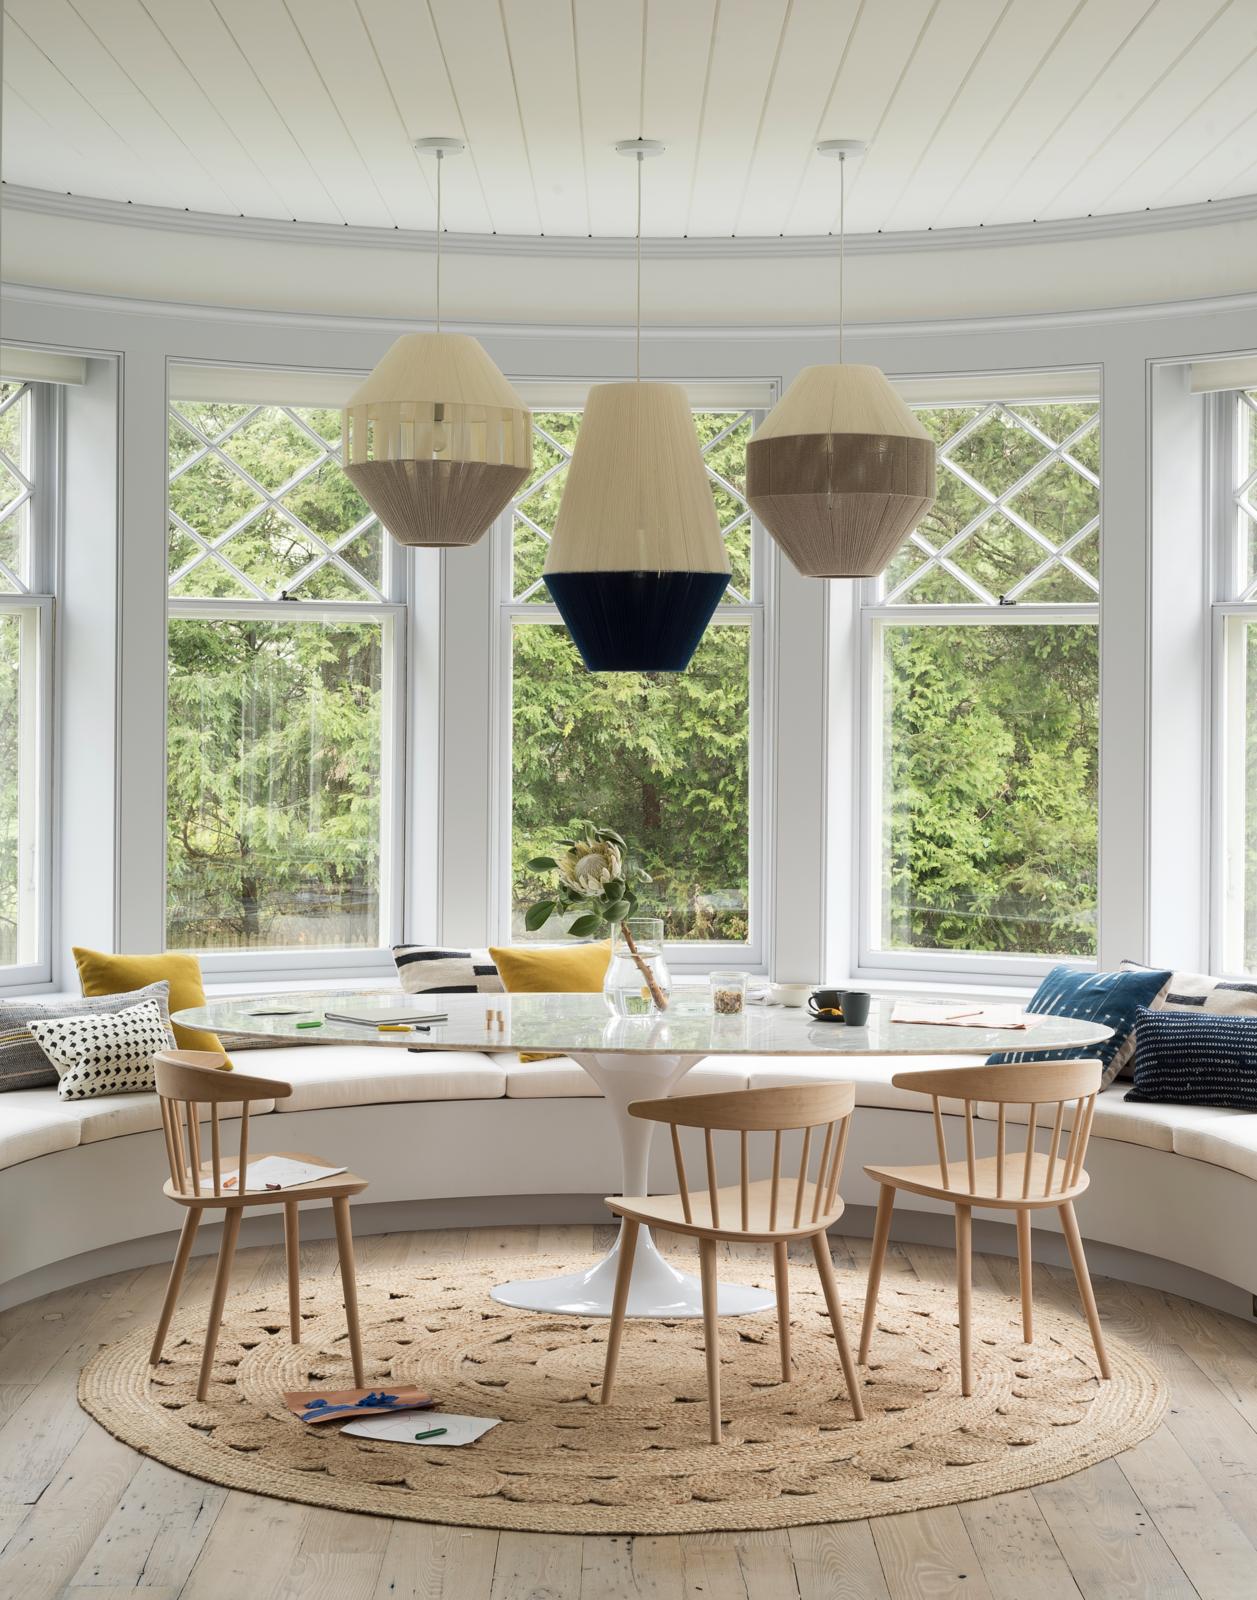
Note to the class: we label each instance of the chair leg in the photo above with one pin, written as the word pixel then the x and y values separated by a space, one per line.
pixel 191 1222
pixel 1074 1240
pixel 226 1253
pixel 964 1294
pixel 292 1252
pixel 781 1274
pixel 881 1236
pixel 348 1282
pixel 829 1283
pixel 711 1336
pixel 1026 1264
pixel 629 1229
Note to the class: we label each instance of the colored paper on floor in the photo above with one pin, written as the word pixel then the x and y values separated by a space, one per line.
pixel 402 1430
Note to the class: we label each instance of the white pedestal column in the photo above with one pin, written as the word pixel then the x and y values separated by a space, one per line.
pixel 658 1289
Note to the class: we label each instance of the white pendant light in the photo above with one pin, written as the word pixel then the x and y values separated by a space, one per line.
pixel 637 564
pixel 436 441
pixel 840 471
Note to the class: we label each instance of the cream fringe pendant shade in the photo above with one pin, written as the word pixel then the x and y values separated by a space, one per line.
pixel 840 471
pixel 436 441
pixel 637 564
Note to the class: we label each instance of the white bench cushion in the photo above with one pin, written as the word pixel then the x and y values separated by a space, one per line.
pixel 1227 1139
pixel 34 1122
pixel 365 1074
pixel 109 1116
pixel 1151 1124
pixel 561 1078
pixel 870 1074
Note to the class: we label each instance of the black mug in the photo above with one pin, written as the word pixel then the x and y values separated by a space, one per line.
pixel 855 1007
pixel 826 1004
pixel 840 1005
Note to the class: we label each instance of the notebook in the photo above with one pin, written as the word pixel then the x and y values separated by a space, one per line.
pixel 394 1018
pixel 332 1405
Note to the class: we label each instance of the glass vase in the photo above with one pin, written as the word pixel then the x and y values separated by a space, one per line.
pixel 638 982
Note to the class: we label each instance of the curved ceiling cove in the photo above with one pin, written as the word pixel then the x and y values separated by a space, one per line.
pixel 979 113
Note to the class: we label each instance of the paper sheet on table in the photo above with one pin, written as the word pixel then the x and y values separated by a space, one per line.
pixel 955 1014
pixel 402 1430
pixel 278 1172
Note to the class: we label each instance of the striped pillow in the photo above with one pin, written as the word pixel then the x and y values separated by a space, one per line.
pixel 23 1065
pixel 428 969
pixel 1192 1057
pixel 1197 992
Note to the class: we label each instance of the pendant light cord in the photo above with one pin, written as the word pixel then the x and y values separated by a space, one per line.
pixel 440 157
pixel 638 344
pixel 842 247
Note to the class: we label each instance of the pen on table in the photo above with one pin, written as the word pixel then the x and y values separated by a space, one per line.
pixel 432 1433
pixel 956 1016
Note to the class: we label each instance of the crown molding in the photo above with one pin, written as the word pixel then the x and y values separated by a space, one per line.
pixel 332 322
pixel 84 208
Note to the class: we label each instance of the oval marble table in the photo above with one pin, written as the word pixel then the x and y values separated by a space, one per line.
pixel 629 1059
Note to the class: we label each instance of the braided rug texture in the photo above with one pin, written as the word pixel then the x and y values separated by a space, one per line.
pixel 561 1463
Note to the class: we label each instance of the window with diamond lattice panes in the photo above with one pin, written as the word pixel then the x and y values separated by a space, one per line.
pixel 1236 718
pixel 281 636
pixel 983 660
pixel 664 757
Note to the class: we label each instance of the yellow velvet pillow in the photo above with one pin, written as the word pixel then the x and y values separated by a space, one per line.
pixel 101 974
pixel 550 969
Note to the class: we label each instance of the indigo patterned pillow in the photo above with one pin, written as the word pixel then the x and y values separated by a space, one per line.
pixel 428 969
pixel 105 1053
pixel 1196 1058
pixel 23 1065
pixel 1108 998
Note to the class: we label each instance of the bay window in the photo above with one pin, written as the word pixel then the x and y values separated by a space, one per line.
pixel 27 502
pixel 284 691
pixel 981 701
pixel 668 759
pixel 1234 432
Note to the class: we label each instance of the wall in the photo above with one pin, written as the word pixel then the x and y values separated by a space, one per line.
pixel 452 814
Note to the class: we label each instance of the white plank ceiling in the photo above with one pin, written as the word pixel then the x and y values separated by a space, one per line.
pixel 978 111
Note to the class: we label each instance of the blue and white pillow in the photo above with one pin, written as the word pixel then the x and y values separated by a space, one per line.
pixel 1108 998
pixel 1196 1058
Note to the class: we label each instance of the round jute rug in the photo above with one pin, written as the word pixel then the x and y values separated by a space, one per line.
pixel 561 1463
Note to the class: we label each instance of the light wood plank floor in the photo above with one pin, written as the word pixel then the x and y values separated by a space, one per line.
pixel 84 1516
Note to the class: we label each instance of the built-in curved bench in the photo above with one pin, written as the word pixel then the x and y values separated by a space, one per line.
pixel 449 1139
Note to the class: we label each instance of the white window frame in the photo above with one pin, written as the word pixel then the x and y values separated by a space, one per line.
pixel 392 612
pixel 35 607
pixel 873 961
pixel 1234 604
pixel 687 957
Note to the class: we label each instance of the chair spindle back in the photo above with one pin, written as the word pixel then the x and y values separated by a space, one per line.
pixel 182 1088
pixel 795 1199
pixel 1045 1088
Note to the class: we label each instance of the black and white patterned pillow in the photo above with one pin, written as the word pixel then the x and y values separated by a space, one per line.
pixel 1200 992
pixel 101 1054
pixel 1199 1058
pixel 428 969
pixel 23 1065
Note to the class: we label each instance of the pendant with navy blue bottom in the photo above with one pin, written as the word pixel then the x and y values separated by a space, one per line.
pixel 636 621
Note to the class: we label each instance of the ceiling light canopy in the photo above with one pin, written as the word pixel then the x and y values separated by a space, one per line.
pixel 637 564
pixel 436 440
pixel 840 471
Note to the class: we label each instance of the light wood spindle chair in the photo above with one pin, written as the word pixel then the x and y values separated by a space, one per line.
pixel 186 1081
pixel 1023 1180
pixel 768 1211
